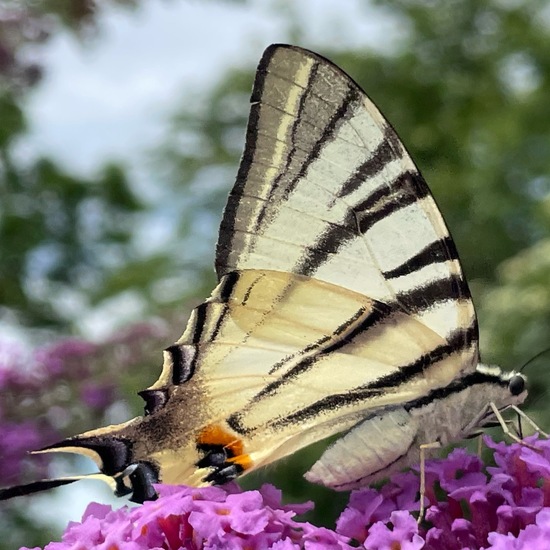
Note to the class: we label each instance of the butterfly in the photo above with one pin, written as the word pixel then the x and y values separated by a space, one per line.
pixel 341 308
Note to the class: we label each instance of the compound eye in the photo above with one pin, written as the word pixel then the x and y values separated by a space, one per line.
pixel 516 384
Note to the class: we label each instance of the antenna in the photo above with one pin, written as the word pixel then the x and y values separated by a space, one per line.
pixel 536 356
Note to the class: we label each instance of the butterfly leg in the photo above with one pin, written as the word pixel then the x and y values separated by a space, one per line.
pixel 507 430
pixel 423 448
pixel 479 445
pixel 479 435
pixel 528 419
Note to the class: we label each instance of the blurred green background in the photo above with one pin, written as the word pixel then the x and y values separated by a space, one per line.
pixel 465 83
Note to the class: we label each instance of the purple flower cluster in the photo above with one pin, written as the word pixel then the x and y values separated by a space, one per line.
pixel 15 442
pixel 506 506
pixel 469 505
pixel 18 379
pixel 43 392
pixel 193 518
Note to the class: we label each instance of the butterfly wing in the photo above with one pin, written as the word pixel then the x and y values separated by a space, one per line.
pixel 340 292
pixel 340 287
pixel 327 190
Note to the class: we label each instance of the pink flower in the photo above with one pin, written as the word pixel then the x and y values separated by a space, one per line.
pixel 470 506
pixel 403 534
pixel 210 517
pixel 533 537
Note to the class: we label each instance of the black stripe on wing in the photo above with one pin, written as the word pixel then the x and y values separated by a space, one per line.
pixel 456 343
pixel 388 150
pixel 405 190
pixel 184 362
pixel 282 186
pixel 35 487
pixel 422 298
pixel 280 179
pixel 473 379
pixel 341 337
pixel 436 252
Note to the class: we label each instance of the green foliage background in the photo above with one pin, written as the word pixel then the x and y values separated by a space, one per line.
pixel 467 86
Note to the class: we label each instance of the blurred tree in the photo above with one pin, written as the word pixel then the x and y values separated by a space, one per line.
pixel 466 84
pixel 59 234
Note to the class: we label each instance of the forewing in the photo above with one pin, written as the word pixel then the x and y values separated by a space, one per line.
pixel 326 189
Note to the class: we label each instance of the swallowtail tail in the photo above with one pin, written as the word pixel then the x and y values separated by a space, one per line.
pixel 341 307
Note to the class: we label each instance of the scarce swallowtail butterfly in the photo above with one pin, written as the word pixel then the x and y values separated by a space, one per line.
pixel 341 307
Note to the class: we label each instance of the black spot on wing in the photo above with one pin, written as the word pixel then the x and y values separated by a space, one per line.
pixel 155 400
pixel 142 479
pixel 183 362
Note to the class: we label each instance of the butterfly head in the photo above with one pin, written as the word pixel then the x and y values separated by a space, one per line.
pixel 517 385
pixel 498 390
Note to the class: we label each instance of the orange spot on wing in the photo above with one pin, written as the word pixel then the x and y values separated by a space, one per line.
pixel 216 435
pixel 243 460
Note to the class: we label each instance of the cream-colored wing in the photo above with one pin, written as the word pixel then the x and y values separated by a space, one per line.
pixel 283 360
pixel 327 190
pixel 339 292
pixel 340 287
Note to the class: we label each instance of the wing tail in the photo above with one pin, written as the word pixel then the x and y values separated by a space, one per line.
pixel 113 453
pixel 47 484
